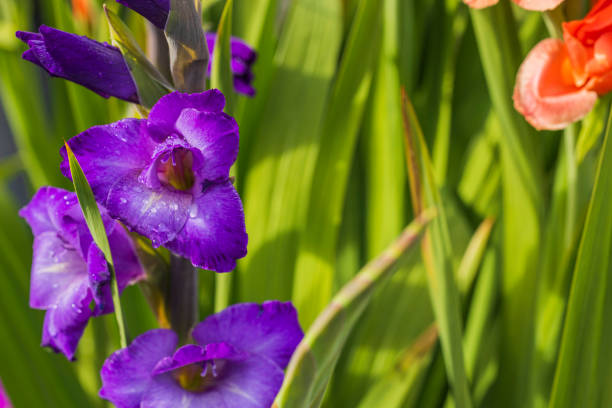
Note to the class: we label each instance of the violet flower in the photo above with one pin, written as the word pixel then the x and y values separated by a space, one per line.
pixel 243 57
pixel 167 177
pixel 95 65
pixel 68 269
pixel 101 68
pixel 237 361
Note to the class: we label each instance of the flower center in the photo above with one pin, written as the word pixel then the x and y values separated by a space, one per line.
pixel 199 376
pixel 176 169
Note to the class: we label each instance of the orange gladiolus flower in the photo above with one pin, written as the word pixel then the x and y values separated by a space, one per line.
pixel 559 81
pixel 538 5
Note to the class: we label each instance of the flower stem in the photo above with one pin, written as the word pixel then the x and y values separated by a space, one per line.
pixel 182 296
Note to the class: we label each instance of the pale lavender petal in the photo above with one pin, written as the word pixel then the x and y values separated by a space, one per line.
pixel 66 321
pixel 216 136
pixel 126 374
pixel 56 267
pixel 158 214
pixel 166 111
pixel 108 153
pixel 214 235
pixel 270 330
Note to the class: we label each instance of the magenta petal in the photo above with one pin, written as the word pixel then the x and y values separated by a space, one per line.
pixel 108 153
pixel 167 110
pixel 270 330
pixel 214 235
pixel 66 320
pixel 158 214
pixel 127 372
pixel 216 136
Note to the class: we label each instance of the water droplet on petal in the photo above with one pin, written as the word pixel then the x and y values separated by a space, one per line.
pixel 193 211
pixel 122 200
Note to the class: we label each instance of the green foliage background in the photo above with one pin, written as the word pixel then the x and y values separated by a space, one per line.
pixel 506 304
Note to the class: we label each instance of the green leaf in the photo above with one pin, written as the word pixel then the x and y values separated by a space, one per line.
pixel 91 212
pixel 437 256
pixel 314 275
pixel 150 83
pixel 314 360
pixel 280 163
pixel 577 380
pixel 522 201
pixel 187 45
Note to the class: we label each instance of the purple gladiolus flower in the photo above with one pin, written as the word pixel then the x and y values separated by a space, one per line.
pixel 5 402
pixel 156 11
pixel 167 177
pixel 243 57
pixel 237 361
pixel 95 65
pixel 68 269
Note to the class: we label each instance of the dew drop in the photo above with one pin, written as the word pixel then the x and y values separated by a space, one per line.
pixel 122 200
pixel 193 211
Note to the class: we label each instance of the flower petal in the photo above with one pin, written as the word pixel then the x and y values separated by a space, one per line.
pixel 97 66
pixel 270 330
pixel 216 136
pixel 543 93
pixel 159 214
pixel 477 4
pixel 127 265
pixel 108 153
pixel 156 11
pixel 66 321
pixel 251 383
pixel 214 235
pixel 538 5
pixel 46 210
pixel 127 372
pixel 192 353
pixel 55 268
pixel 166 111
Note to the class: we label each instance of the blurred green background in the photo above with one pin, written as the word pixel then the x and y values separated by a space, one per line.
pixel 510 308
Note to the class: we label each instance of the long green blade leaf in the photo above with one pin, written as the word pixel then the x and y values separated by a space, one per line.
pixel 315 358
pixel 91 212
pixel 576 381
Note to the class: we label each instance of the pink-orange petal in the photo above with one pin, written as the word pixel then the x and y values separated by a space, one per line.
pixel 477 4
pixel 543 95
pixel 538 5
